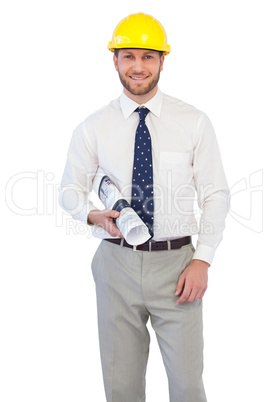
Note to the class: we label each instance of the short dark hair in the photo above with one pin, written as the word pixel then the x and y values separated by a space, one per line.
pixel 116 52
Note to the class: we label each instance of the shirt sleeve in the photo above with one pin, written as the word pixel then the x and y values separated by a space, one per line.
pixel 80 169
pixel 212 190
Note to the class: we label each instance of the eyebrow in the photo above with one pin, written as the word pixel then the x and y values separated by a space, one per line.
pixel 146 51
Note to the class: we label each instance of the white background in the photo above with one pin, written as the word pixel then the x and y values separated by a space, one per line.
pixel 55 70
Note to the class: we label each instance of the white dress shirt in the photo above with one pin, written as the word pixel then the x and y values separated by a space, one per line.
pixel 186 168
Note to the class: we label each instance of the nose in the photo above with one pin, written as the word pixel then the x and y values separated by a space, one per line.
pixel 138 66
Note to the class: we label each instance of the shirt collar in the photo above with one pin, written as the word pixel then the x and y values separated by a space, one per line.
pixel 128 106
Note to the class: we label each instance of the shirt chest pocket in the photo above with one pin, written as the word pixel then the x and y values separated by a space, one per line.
pixel 174 169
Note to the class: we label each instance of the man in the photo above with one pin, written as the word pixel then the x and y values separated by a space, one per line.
pixel 164 279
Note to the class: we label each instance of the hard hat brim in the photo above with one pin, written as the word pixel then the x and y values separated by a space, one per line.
pixel 112 47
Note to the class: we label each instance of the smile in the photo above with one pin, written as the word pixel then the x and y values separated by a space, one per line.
pixel 138 78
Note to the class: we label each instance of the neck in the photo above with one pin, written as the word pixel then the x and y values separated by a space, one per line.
pixel 141 99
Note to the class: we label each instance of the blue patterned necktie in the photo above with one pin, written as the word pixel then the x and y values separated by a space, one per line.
pixel 142 181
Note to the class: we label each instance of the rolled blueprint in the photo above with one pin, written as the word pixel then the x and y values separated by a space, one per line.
pixel 129 223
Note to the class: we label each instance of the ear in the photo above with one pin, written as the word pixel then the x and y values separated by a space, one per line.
pixel 115 59
pixel 162 62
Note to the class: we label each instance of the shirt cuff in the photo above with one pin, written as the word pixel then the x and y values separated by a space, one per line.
pixel 204 253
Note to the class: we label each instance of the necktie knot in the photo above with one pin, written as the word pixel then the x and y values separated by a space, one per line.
pixel 143 111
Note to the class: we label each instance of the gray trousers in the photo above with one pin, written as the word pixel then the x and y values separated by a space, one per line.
pixel 132 286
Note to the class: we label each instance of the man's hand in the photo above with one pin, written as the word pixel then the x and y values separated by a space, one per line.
pixel 193 282
pixel 104 219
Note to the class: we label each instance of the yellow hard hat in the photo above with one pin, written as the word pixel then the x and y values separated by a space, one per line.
pixel 139 31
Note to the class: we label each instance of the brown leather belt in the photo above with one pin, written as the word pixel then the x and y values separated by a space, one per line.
pixel 155 245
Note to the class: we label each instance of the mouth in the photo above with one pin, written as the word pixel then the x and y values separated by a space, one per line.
pixel 135 78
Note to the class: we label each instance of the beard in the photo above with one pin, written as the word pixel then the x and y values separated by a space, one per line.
pixel 140 90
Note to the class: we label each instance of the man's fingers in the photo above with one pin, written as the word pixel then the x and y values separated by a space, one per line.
pixel 180 285
pixel 110 213
pixel 195 278
pixel 185 294
pixel 111 228
pixel 105 219
pixel 183 289
pixel 191 293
